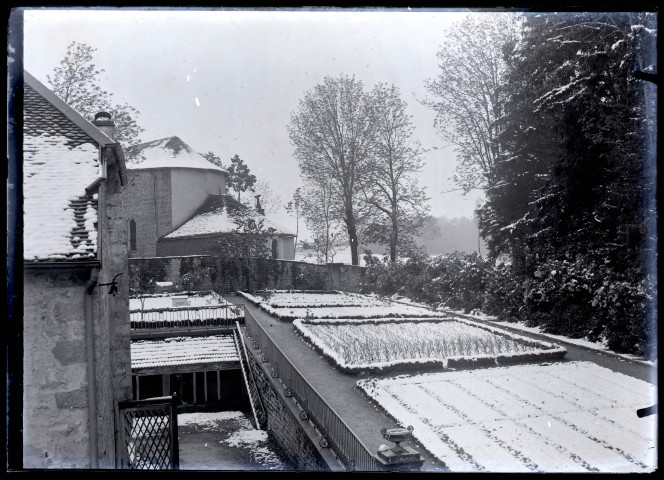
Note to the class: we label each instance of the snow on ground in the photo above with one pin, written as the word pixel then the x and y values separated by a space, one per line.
pixel 246 437
pixel 561 417
pixel 207 420
pixel 225 441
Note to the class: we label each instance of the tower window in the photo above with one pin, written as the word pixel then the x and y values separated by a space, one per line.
pixel 132 234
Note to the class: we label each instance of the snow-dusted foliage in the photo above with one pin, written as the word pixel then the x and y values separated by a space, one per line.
pixel 583 297
pixel 573 190
pixel 451 280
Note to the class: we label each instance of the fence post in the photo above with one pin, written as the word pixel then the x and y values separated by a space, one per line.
pixel 174 432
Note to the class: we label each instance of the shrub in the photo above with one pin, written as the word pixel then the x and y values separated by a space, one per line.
pixel 581 297
pixel 503 293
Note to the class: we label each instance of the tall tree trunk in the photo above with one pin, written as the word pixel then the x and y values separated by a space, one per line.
pixel 393 239
pixel 352 236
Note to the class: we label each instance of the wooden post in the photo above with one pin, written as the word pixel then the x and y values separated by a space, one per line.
pixel 166 384
pixel 205 386
pixel 194 383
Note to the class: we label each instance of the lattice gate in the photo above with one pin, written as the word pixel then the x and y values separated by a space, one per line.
pixel 148 434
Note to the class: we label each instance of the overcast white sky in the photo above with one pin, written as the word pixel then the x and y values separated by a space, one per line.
pixel 227 81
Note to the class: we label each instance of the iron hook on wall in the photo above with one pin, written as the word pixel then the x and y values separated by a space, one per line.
pixel 113 285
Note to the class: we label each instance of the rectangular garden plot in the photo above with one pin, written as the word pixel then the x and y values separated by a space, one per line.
pixel 562 417
pixel 181 309
pixel 290 305
pixel 378 344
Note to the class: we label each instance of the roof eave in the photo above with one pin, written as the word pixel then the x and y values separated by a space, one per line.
pixel 63 264
pixel 137 166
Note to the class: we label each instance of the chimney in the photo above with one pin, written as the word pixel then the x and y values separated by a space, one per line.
pixel 104 123
pixel 259 209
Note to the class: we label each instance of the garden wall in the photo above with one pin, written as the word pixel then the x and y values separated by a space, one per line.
pixel 224 275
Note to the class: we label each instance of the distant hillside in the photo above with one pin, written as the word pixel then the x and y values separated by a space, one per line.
pixel 442 235
pixel 448 235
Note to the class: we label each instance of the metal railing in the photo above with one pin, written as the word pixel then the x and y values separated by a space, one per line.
pixel 255 401
pixel 336 433
pixel 174 317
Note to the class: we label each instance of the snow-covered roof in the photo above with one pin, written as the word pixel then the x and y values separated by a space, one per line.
pixel 223 214
pixel 60 159
pixel 183 351
pixel 170 152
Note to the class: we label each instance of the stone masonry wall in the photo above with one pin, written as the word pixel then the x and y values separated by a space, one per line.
pixel 147 201
pixel 285 426
pixel 209 245
pixel 55 408
pixel 201 272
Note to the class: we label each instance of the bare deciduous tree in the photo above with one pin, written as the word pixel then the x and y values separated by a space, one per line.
pixel 270 201
pixel 76 82
pixel 466 93
pixel 396 203
pixel 332 133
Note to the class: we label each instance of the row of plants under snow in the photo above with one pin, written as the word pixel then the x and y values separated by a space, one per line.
pixel 372 308
pixel 355 346
pixel 303 298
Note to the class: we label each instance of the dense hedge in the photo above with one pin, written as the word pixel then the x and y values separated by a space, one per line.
pixel 580 298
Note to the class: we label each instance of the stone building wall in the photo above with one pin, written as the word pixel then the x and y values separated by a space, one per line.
pixel 223 275
pixel 147 201
pixel 55 402
pixel 209 245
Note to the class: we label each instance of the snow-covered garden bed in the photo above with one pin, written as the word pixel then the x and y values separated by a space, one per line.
pixel 560 417
pixel 289 305
pixel 355 345
pixel 181 309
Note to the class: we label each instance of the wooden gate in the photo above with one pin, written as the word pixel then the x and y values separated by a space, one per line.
pixel 148 434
